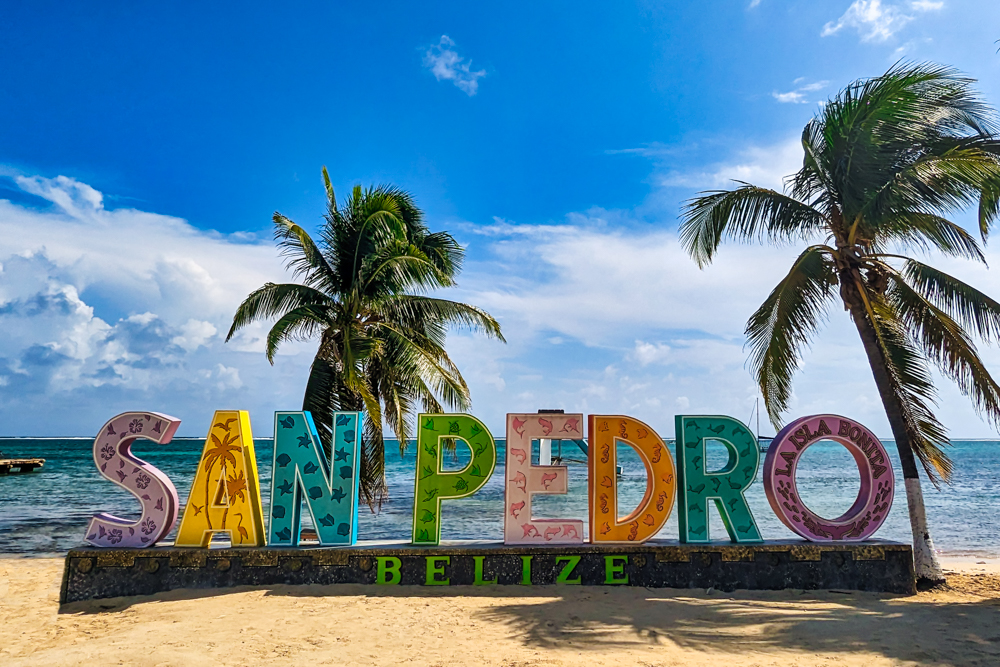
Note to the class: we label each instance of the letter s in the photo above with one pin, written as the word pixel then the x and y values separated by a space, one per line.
pixel 153 489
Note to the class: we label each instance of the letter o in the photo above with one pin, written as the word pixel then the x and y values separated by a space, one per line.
pixel 874 499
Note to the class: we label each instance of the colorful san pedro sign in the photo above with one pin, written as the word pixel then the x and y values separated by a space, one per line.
pixel 226 482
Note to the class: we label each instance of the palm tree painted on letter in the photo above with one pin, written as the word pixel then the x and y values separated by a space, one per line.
pixel 221 451
pixel 363 295
pixel 884 162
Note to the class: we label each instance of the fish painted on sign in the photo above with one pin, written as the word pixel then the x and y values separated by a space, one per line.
pixel 546 425
pixel 519 455
pixel 569 530
pixel 605 528
pixel 529 530
pixel 429 424
pixel 515 509
pixel 426 516
pixel 518 425
pixel 649 520
pixel 552 532
pixel 430 494
pixel 519 480
pixel 548 478
pixel 571 426
pixel 475 430
pixel 461 484
pixel 606 482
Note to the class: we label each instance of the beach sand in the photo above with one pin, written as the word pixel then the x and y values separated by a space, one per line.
pixel 509 626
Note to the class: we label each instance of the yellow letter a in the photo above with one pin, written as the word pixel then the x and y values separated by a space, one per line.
pixel 225 494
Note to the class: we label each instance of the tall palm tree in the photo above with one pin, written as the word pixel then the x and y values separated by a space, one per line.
pixel 884 162
pixel 363 295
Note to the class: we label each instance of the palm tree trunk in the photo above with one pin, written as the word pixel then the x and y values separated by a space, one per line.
pixel 208 483
pixel 925 560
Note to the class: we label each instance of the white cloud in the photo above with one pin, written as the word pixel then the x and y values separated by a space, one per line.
pixel 109 310
pixel 753 4
pixel 876 22
pixel 798 96
pixel 760 165
pixel 446 65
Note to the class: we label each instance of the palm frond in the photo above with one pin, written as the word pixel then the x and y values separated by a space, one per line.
pixel 965 304
pixel 786 322
pixel 273 300
pixel 747 213
pixel 947 346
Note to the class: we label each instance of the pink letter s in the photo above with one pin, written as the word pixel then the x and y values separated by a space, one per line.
pixel 153 489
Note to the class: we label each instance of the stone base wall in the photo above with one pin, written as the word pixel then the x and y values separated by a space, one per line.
pixel 867 566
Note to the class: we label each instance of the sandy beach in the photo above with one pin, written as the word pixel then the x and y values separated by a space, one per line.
pixel 353 625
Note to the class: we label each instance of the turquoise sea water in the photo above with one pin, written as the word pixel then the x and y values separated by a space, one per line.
pixel 46 513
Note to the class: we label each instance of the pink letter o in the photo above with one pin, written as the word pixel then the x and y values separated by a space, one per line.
pixel 877 482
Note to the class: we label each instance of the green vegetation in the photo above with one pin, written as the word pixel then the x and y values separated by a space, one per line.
pixel 884 162
pixel 381 337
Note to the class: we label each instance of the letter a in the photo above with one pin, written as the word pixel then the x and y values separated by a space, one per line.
pixel 604 432
pixel 225 494
pixel 725 487
pixel 432 484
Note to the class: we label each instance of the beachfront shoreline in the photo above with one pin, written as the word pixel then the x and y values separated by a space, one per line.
pixel 509 625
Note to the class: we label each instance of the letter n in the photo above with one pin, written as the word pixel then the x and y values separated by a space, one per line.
pixel 302 471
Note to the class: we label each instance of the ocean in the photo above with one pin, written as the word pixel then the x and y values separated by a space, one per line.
pixel 45 513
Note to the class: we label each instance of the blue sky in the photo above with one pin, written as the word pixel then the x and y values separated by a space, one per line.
pixel 144 149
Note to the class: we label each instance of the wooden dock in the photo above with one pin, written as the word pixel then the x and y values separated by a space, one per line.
pixel 14 466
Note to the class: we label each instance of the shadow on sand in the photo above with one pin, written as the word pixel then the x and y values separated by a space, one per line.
pixel 922 629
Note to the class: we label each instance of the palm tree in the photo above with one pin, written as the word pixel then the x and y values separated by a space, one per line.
pixel 381 337
pixel 884 163
pixel 221 451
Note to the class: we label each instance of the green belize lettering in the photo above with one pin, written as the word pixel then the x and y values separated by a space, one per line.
pixel 613 570
pixel 432 484
pixel 571 563
pixel 726 487
pixel 435 568
pixel 479 581
pixel 387 565
pixel 526 570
